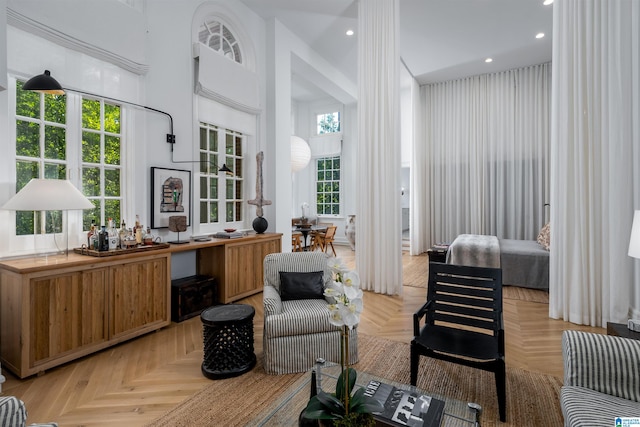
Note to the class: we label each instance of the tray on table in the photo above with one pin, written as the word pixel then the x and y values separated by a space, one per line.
pixel 114 252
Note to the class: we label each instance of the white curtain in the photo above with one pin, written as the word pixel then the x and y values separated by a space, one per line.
pixel 379 246
pixel 594 140
pixel 482 159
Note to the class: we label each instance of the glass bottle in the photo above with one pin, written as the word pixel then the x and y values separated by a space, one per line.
pixel 121 234
pixel 103 239
pixel 138 230
pixel 148 237
pixel 91 234
pixel 113 236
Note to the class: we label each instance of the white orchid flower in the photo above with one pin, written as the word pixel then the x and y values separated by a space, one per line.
pixel 345 293
pixel 336 265
pixel 331 292
pixel 350 316
pixel 336 316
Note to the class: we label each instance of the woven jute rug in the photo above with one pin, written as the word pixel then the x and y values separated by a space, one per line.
pixel 532 398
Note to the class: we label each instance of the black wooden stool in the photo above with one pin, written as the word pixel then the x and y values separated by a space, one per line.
pixel 228 340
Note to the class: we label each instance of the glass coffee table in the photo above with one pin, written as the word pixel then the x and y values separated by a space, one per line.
pixel 287 409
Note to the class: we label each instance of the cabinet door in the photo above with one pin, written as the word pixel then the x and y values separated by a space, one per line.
pixel 68 312
pixel 138 296
pixel 244 267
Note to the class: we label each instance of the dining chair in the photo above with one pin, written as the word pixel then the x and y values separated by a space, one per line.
pixel 296 242
pixel 462 322
pixel 313 243
pixel 324 240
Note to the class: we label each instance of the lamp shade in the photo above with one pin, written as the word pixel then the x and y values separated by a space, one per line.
pixel 48 195
pixel 44 83
pixel 634 241
pixel 300 153
pixel 224 168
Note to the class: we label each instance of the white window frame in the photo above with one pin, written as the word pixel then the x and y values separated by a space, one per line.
pixel 322 109
pixel 340 192
pixel 102 198
pixel 212 171
pixel 25 244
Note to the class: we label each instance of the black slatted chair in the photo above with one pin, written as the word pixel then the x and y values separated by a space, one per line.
pixel 462 322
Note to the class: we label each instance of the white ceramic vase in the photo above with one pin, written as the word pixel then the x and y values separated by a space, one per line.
pixel 350 231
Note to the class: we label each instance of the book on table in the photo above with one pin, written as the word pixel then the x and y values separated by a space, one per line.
pixel 405 408
pixel 227 235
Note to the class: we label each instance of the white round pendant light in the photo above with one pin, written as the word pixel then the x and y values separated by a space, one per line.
pixel 300 153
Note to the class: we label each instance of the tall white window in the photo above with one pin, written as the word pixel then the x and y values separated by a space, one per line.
pixel 41 152
pixel 328 169
pixel 221 195
pixel 43 124
pixel 328 186
pixel 101 166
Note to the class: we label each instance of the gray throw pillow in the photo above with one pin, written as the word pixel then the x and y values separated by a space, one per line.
pixel 296 285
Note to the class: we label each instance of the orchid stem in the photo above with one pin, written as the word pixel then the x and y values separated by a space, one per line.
pixel 345 356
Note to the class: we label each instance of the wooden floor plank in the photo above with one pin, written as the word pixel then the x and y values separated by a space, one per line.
pixel 137 381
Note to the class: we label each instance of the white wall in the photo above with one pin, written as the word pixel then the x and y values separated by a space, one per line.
pixel 144 55
pixel 3 45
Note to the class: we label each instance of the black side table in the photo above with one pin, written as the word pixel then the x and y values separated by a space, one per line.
pixel 621 330
pixel 438 253
pixel 228 340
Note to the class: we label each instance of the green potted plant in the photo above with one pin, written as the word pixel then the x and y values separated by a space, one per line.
pixel 344 407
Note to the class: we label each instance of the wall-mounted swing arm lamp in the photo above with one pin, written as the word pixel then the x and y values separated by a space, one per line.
pixel 44 83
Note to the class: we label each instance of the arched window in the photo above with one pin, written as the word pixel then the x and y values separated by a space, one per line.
pixel 219 37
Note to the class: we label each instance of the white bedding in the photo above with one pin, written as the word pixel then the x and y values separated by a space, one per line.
pixel 524 263
pixel 476 250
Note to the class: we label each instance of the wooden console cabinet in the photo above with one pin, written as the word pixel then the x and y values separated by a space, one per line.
pixel 238 265
pixel 57 309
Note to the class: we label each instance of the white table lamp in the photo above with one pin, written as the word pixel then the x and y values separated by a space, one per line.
pixel 49 195
pixel 634 251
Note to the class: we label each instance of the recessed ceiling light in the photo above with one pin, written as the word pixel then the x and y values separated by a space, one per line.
pixel 539 35
pixel 349 32
pixel 488 60
pixel 547 2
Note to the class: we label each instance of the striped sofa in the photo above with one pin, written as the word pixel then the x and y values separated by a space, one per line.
pixel 297 332
pixel 14 414
pixel 601 379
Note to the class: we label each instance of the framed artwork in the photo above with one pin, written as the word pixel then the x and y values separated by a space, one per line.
pixel 170 195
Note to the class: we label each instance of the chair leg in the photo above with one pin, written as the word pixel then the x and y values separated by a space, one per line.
pixel 333 249
pixel 415 359
pixel 501 388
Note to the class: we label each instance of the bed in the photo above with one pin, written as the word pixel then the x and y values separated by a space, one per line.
pixel 524 263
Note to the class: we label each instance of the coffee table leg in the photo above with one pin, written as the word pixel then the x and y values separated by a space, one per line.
pixel 477 410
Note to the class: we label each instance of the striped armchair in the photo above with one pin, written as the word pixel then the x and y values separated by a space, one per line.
pixel 297 332
pixel 601 379
pixel 14 414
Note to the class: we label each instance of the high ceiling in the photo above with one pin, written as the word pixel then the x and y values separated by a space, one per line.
pixel 439 39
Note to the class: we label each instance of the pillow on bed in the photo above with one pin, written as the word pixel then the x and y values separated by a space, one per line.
pixel 544 237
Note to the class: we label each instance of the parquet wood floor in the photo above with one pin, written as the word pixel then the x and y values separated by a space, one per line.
pixel 136 382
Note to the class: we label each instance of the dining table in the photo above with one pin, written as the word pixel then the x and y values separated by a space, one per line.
pixel 305 228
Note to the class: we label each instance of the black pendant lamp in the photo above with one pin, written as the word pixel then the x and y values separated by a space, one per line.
pixel 44 83
pixel 225 169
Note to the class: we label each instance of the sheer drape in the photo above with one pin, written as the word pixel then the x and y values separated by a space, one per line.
pixel 379 246
pixel 483 156
pixel 594 139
